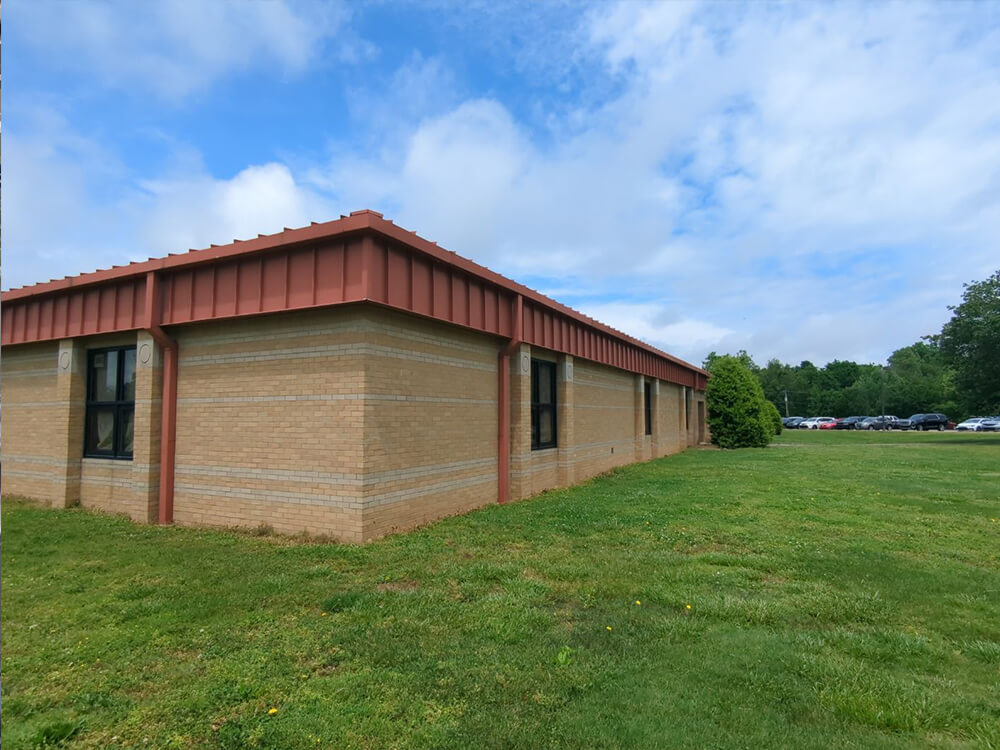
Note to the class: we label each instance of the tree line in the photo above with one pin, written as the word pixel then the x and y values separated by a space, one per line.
pixel 955 372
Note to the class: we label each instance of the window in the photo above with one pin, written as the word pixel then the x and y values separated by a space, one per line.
pixel 109 424
pixel 649 407
pixel 543 404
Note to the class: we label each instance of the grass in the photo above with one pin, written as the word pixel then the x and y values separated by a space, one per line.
pixel 844 590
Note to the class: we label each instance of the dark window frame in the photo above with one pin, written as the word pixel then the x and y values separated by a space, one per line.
pixel 122 406
pixel 648 406
pixel 543 368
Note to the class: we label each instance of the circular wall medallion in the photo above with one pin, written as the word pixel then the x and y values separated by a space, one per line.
pixel 145 352
pixel 525 364
pixel 64 360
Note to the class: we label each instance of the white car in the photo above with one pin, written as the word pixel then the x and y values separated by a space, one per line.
pixel 975 424
pixel 813 423
pixel 989 424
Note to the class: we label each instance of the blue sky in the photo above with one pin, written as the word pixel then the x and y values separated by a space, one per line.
pixel 804 181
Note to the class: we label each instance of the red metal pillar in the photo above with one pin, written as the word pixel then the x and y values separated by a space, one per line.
pixel 168 401
pixel 503 404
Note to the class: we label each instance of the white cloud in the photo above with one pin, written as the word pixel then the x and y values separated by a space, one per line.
pixel 176 47
pixel 636 32
pixel 799 181
pixel 192 212
pixel 670 330
pixel 756 167
pixel 69 206
pixel 61 200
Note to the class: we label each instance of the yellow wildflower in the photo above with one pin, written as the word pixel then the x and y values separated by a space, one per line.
pixel 272 711
pixel 607 627
pixel 638 603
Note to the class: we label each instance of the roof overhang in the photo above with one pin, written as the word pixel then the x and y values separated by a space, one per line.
pixel 358 258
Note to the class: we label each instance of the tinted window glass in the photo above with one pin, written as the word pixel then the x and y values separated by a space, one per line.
pixel 110 413
pixel 543 404
pixel 546 427
pixel 128 375
pixel 104 377
pixel 101 430
pixel 126 425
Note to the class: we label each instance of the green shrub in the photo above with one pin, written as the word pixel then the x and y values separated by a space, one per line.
pixel 773 416
pixel 737 410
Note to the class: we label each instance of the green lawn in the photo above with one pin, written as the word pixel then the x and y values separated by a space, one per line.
pixel 844 591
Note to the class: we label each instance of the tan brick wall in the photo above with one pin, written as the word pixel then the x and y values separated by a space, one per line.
pixel 115 487
pixel 669 419
pixel 44 405
pixel 118 486
pixel 430 422
pixel 596 424
pixel 608 419
pixel 351 422
pixel 33 456
pixel 601 424
pixel 269 423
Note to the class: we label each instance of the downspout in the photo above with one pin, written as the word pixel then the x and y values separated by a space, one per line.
pixel 168 400
pixel 503 404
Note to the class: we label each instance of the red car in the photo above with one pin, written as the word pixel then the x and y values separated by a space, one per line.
pixel 829 425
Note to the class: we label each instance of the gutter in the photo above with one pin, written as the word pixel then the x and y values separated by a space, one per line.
pixel 168 401
pixel 503 404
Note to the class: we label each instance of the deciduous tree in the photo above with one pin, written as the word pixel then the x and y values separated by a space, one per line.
pixel 970 344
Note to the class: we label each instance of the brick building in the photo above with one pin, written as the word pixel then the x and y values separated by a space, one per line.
pixel 346 378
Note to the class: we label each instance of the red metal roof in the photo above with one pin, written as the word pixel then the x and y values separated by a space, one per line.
pixel 358 258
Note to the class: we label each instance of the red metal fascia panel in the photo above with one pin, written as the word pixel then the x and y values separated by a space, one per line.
pixel 301 278
pixel 32 319
pixel 293 279
pixel 358 221
pixel 476 298
pixel 399 234
pixel 355 275
pixel 303 268
pixel 46 309
pixel 491 310
pixel 202 292
pixel 422 287
pixel 398 278
pixel 225 290
pixel 274 282
pixel 440 292
pixel 101 309
pixel 459 299
pixel 330 274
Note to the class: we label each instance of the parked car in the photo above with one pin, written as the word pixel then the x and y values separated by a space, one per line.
pixel 923 422
pixel 871 423
pixel 813 423
pixel 992 424
pixel 791 423
pixel 849 423
pixel 828 425
pixel 974 424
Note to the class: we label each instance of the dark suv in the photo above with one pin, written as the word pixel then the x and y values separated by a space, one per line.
pixel 849 423
pixel 928 422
